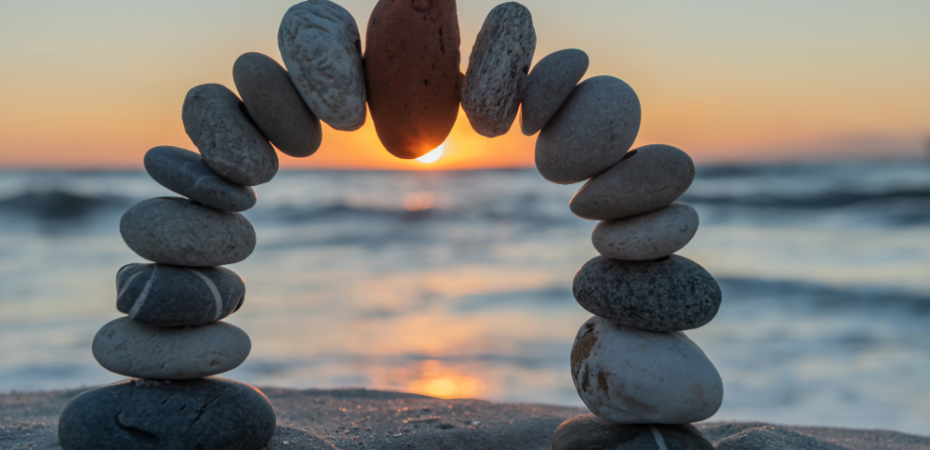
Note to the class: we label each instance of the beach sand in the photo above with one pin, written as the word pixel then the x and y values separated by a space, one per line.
pixel 366 419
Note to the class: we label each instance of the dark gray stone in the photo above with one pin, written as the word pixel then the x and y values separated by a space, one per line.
pixel 548 85
pixel 592 130
pixel 669 294
pixel 207 414
pixel 590 432
pixel 229 141
pixel 772 438
pixel 170 296
pixel 276 106
pixel 179 232
pixel 184 172
pixel 499 61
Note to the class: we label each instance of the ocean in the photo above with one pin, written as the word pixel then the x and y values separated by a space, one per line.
pixel 458 284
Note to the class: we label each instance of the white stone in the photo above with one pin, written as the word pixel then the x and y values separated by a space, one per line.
pixel 630 376
pixel 322 50
pixel 648 236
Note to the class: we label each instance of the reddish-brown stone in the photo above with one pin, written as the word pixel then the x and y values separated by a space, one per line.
pixel 412 73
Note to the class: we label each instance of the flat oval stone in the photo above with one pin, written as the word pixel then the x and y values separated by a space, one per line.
pixel 648 236
pixel 130 348
pixel 228 140
pixel 590 132
pixel 171 296
pixel 207 414
pixel 589 432
pixel 184 172
pixel 412 70
pixel 500 58
pixel 276 106
pixel 179 232
pixel 322 51
pixel 627 375
pixel 669 294
pixel 548 85
pixel 647 179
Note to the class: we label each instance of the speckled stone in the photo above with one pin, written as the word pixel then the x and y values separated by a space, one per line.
pixel 589 432
pixel 322 51
pixel 648 236
pixel 626 375
pixel 500 59
pixel 179 232
pixel 230 143
pixel 184 172
pixel 412 70
pixel 132 349
pixel 777 438
pixel 208 414
pixel 590 132
pixel 276 106
pixel 548 85
pixel 170 296
pixel 669 294
pixel 647 179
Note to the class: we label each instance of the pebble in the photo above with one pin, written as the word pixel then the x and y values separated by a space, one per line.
pixel 772 438
pixel 590 132
pixel 669 294
pixel 132 349
pixel 170 296
pixel 208 414
pixel 412 69
pixel 548 85
pixel 179 232
pixel 647 179
pixel 648 236
pixel 229 141
pixel 184 172
pixel 627 375
pixel 589 432
pixel 322 50
pixel 276 106
pixel 500 59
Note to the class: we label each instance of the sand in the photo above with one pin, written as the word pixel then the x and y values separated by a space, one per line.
pixel 365 419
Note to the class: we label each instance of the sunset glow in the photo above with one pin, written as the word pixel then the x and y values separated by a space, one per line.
pixel 432 156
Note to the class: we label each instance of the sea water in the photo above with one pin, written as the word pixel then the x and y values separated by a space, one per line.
pixel 458 284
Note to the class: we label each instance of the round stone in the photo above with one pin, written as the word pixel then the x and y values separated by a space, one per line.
pixel 412 70
pixel 647 179
pixel 589 432
pixel 548 85
pixel 170 296
pixel 322 51
pixel 627 375
pixel 590 132
pixel 230 143
pixel 208 414
pixel 669 294
pixel 276 106
pixel 130 348
pixel 648 236
pixel 184 172
pixel 499 60
pixel 179 232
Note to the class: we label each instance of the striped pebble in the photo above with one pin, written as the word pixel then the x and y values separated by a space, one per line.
pixel 591 432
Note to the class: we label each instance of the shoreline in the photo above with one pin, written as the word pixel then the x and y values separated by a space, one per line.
pixel 344 419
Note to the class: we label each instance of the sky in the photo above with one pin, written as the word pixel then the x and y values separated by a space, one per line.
pixel 96 83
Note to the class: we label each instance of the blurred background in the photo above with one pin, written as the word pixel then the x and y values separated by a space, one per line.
pixel 808 121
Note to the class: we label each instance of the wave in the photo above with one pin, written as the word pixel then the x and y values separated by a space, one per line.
pixel 834 199
pixel 60 205
pixel 824 297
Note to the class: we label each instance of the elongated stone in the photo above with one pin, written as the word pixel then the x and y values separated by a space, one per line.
pixel 669 294
pixel 647 236
pixel 179 232
pixel 184 172
pixel 589 432
pixel 322 50
pixel 548 85
pixel 230 143
pixel 132 349
pixel 500 59
pixel 170 296
pixel 412 70
pixel 276 106
pixel 208 414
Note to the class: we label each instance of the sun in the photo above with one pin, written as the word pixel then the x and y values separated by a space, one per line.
pixel 432 156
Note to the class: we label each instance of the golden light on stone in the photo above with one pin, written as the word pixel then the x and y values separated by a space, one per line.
pixel 432 156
